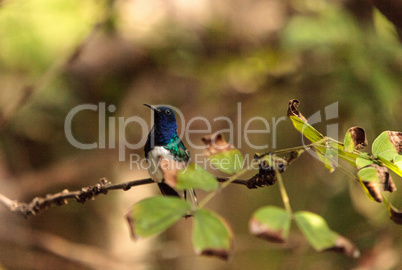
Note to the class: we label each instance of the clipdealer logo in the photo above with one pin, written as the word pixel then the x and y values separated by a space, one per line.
pixel 112 130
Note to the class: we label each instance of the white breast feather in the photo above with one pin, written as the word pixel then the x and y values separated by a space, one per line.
pixel 153 162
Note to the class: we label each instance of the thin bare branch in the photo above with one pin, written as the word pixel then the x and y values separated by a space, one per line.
pixel 41 204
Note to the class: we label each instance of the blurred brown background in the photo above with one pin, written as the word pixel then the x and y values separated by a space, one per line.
pixel 203 57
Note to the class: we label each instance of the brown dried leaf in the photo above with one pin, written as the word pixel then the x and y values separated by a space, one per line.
pixel 292 109
pixel 386 181
pixel 395 215
pixel 374 191
pixel 396 140
pixel 346 247
pixel 359 137
pixel 295 155
pixel 215 143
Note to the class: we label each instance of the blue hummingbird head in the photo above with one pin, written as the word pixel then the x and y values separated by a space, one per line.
pixel 165 126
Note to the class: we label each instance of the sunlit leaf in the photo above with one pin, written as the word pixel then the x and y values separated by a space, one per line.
pixel 228 162
pixel 398 162
pixel 387 145
pixel 321 237
pixel 300 122
pixel 271 223
pixel 384 28
pixel 154 215
pixel 355 138
pixel 195 176
pixel 211 235
pixel 362 162
pixel 306 129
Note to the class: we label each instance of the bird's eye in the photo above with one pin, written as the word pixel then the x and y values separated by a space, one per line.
pixel 168 112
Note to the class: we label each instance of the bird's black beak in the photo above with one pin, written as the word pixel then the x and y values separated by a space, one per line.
pixel 152 108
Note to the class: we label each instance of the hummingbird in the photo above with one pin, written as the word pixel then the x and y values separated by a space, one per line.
pixel 163 142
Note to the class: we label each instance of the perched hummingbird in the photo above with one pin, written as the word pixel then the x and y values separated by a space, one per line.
pixel 163 142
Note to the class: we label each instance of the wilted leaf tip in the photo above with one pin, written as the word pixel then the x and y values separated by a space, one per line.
pixel 215 143
pixel 374 191
pixel 260 230
pixel 130 222
pixel 376 184
pixel 358 136
pixel 346 247
pixel 395 215
pixel 292 109
pixel 396 139
pixel 219 252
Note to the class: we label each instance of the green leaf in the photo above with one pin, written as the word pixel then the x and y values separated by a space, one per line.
pixel 362 162
pixel 321 237
pixel 385 145
pixel 211 235
pixel 385 29
pixel 316 230
pixel 398 162
pixel 154 215
pixel 228 161
pixel 194 176
pixel 348 142
pixel 271 223
pixel 306 129
pixel 369 174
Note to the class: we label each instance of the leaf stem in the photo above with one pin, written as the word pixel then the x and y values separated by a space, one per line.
pixel 224 185
pixel 352 176
pixel 301 147
pixel 284 194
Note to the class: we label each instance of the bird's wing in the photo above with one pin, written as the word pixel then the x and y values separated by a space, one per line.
pixel 178 150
